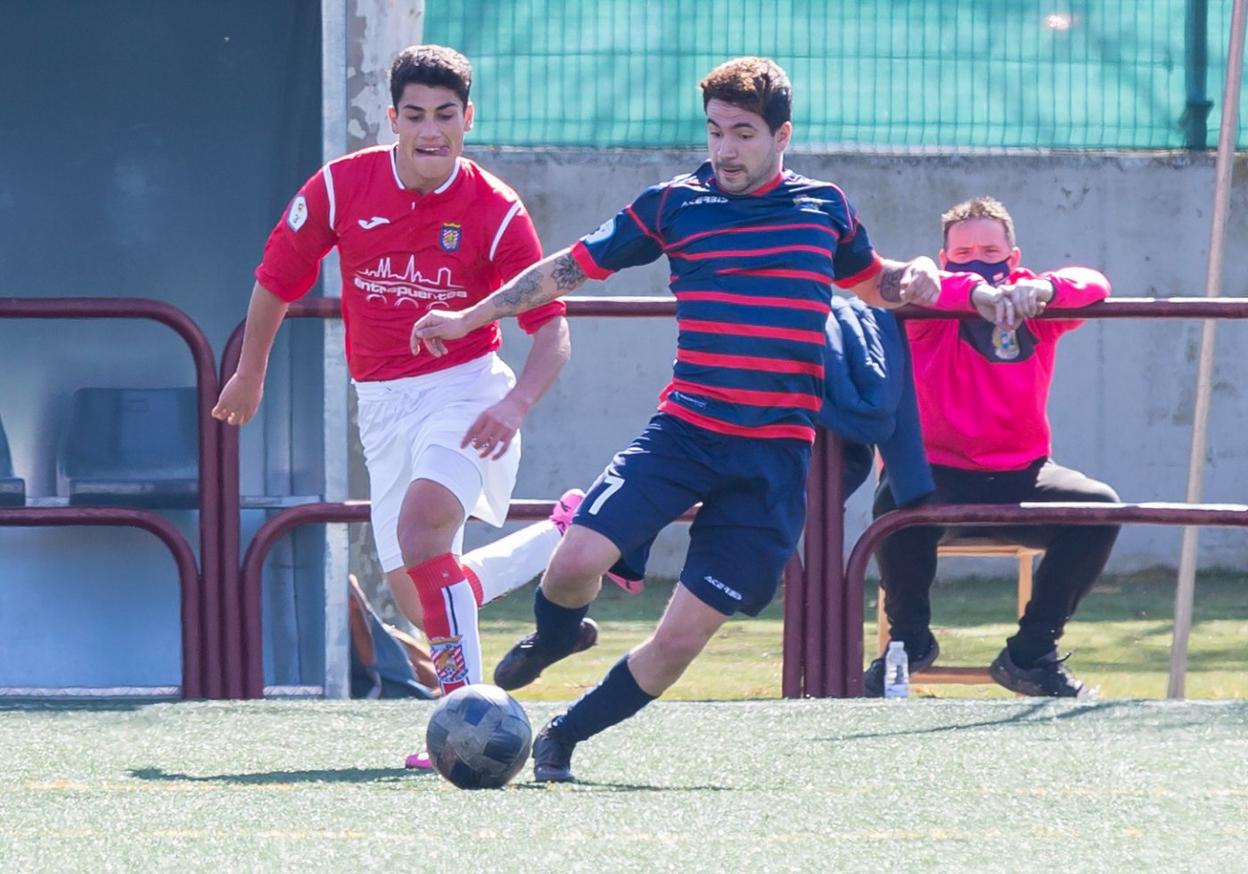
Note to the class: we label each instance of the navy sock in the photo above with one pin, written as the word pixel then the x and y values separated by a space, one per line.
pixel 557 627
pixel 1026 650
pixel 613 700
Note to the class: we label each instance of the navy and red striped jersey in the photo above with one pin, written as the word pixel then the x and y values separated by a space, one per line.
pixel 753 276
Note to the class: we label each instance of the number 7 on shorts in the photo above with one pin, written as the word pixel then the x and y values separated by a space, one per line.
pixel 613 485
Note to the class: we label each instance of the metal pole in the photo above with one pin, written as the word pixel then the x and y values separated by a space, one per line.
pixel 1185 591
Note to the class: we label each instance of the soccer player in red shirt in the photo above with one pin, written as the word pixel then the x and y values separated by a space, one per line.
pixel 418 227
pixel 983 390
pixel 754 251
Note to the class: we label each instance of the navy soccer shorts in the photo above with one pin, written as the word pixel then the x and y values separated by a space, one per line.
pixel 753 495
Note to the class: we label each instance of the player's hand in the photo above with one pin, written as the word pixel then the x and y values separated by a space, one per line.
pixel 920 282
pixel 239 399
pixel 1029 296
pixel 987 301
pixel 495 428
pixel 438 326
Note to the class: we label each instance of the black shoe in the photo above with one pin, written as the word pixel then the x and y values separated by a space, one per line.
pixel 1047 678
pixel 552 756
pixel 873 676
pixel 526 660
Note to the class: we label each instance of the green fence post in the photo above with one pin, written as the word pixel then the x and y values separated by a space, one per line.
pixel 1194 120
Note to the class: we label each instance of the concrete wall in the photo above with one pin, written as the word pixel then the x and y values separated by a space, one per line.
pixel 1122 398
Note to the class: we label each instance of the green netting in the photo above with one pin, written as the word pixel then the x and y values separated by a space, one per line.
pixel 1067 74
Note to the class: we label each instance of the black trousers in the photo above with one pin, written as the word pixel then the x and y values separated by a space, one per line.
pixel 1074 556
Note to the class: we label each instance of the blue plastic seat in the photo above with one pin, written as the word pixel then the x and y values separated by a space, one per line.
pixel 128 447
pixel 12 489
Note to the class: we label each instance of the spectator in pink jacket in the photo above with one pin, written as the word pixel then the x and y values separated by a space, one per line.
pixel 983 389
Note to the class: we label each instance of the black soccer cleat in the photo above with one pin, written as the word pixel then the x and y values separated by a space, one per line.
pixel 873 676
pixel 1047 678
pixel 525 661
pixel 552 756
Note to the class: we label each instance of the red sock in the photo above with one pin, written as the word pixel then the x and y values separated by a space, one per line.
pixel 450 607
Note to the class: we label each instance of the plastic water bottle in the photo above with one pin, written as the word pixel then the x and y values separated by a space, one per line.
pixel 896 671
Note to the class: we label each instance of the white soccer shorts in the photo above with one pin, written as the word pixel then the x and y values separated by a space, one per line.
pixel 411 429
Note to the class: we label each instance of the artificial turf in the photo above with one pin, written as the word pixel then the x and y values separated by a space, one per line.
pixel 917 785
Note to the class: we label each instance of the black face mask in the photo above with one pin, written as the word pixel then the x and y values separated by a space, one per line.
pixel 994 273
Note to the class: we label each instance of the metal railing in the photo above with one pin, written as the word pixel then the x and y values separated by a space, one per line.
pixel 845 657
pixel 822 646
pixel 989 515
pixel 183 556
pixel 285 521
pixel 201 665
pixel 802 645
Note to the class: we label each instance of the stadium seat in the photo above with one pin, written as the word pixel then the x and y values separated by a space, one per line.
pixel 126 447
pixel 970 547
pixel 12 489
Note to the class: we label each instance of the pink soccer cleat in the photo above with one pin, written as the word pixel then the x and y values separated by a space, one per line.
pixel 565 509
pixel 561 516
pixel 418 762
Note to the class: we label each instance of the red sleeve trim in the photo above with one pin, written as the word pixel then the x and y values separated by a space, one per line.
pixel 531 321
pixel 870 272
pixel 580 254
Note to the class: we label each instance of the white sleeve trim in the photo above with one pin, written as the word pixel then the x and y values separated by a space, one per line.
pixel 329 191
pixel 511 213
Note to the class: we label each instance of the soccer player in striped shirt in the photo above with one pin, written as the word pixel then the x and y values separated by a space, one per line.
pixel 754 252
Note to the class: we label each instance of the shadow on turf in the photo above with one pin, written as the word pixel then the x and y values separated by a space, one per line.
pixel 379 775
pixel 621 787
pixel 101 706
pixel 1021 717
pixel 329 775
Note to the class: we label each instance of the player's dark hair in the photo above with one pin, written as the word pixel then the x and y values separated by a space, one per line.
pixel 754 84
pixel 436 66
pixel 979 208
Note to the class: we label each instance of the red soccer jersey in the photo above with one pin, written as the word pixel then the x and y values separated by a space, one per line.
pixel 404 253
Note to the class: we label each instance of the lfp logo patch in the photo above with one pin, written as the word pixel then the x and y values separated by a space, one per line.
pixel 450 236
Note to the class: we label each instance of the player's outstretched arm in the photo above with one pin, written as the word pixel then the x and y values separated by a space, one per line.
pixel 901 282
pixel 240 398
pixel 552 277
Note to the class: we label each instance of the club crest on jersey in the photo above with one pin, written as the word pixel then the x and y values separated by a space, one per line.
pixel 448 660
pixel 450 236
pixel 806 203
pixel 298 213
pixel 601 232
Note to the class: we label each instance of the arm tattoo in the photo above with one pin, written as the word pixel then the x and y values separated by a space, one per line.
pixel 890 282
pixel 567 274
pixel 518 295
pixel 536 286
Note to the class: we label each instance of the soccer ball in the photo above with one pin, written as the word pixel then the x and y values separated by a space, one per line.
pixel 479 737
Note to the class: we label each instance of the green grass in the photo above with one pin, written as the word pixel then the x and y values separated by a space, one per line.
pixel 919 785
pixel 1120 638
pixel 733 785
pixel 743 661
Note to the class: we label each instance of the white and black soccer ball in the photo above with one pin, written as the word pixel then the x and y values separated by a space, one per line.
pixel 479 737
